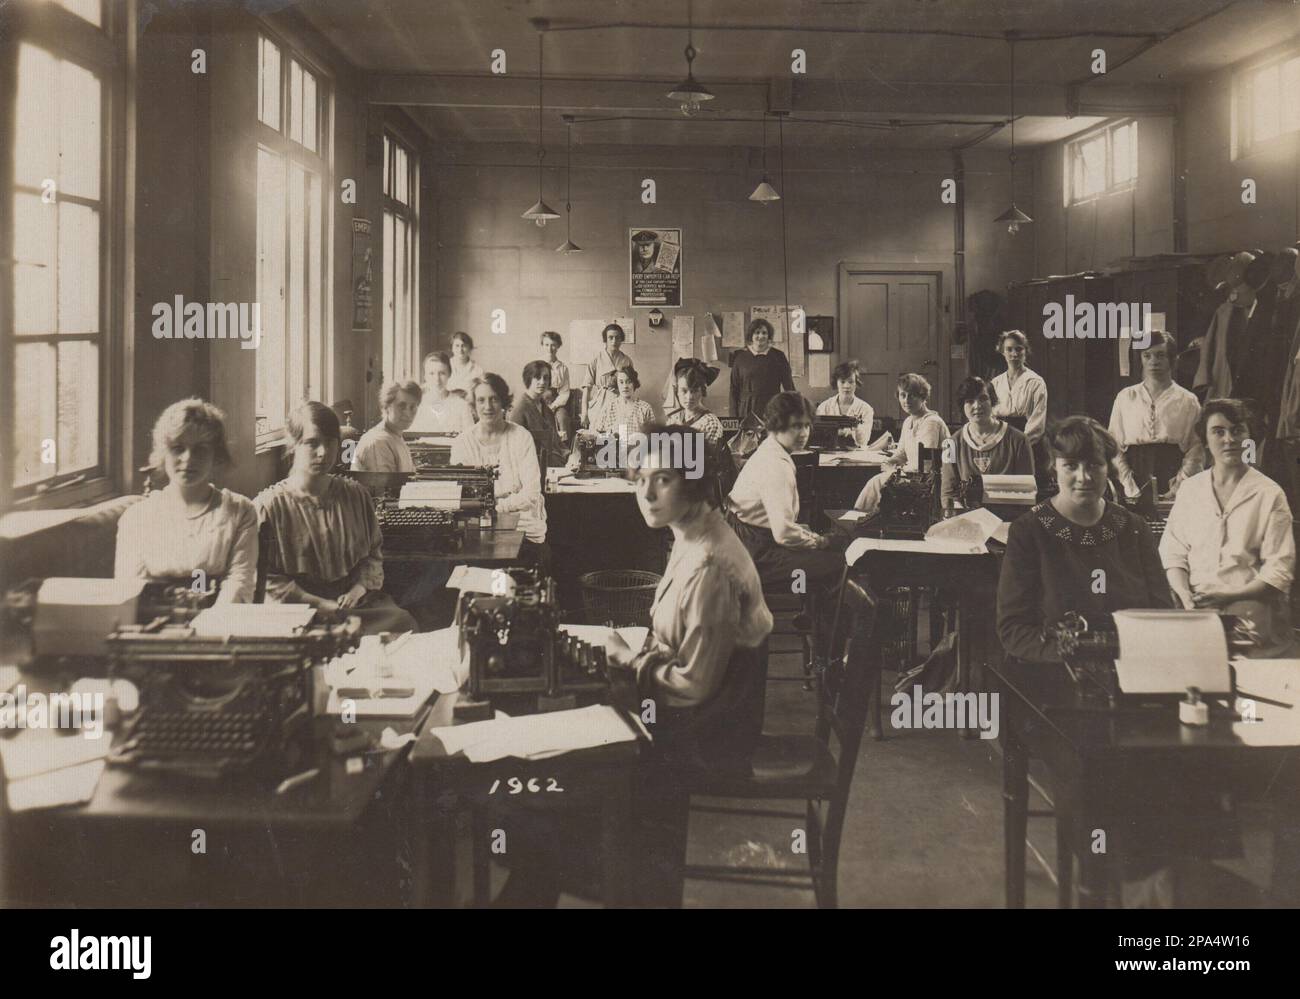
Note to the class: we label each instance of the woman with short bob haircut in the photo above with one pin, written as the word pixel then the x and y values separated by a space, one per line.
pixel 441 410
pixel 1229 543
pixel 758 372
pixel 922 427
pixel 1058 550
pixel 328 547
pixel 191 525
pixel 986 445
pixel 846 379
pixel 382 448
pixel 465 371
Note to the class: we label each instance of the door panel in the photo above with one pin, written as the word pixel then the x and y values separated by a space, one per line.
pixel 891 326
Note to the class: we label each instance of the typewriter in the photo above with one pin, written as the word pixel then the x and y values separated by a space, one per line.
pixel 418 530
pixel 516 647
pixel 826 432
pixel 909 501
pixel 427 451
pixel 478 498
pixel 213 707
pixel 589 445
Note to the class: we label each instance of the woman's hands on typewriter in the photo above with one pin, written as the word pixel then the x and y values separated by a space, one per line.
pixel 352 598
pixel 618 651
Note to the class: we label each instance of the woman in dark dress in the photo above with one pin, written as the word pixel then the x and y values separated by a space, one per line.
pixel 758 372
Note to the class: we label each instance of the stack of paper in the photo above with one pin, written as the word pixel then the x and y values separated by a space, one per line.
pixel 253 620
pixel 1021 490
pixel 859 456
pixel 531 737
pixel 476 579
pixel 863 545
pixel 441 494
pixel 974 527
pixel 46 769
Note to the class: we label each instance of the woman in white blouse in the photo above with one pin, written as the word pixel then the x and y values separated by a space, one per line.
pixel 191 527
pixel 440 412
pixel 846 377
pixel 1228 543
pixel 603 366
pixel 561 392
pixel 495 441
pixel 464 371
pixel 382 448
pixel 1157 410
pixel 923 427
pixel 1022 392
pixel 624 413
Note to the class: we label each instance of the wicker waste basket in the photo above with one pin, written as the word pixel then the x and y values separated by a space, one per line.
pixel 618 597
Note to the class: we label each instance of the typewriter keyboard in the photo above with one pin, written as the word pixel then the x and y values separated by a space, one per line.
pixel 171 733
pixel 417 516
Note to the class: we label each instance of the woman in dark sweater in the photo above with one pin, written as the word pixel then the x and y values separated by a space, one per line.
pixel 758 372
pixel 1075 551
pixel 985 445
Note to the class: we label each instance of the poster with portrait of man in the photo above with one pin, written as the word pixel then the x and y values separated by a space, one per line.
pixel 655 268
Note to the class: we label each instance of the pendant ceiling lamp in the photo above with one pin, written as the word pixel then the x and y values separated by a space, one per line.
pixel 569 246
pixel 689 94
pixel 541 212
pixel 1013 216
pixel 765 193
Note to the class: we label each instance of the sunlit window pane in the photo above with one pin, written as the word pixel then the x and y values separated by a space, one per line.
pixel 1290 88
pixel 91 10
pixel 310 113
pixel 1122 154
pixel 268 83
pixel 79 131
pixel 315 300
pixel 1266 118
pixel 36 144
pixel 402 175
pixel 389 326
pixel 295 101
pixel 78 268
pixel 1093 154
pixel 35 278
pixel 35 411
pixel 270 289
pixel 388 154
pixel 78 406
pixel 296 318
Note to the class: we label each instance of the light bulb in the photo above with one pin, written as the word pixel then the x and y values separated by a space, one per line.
pixel 1013 229
pixel 690 107
pixel 541 223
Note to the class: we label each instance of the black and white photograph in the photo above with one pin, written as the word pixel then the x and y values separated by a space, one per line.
pixel 369 539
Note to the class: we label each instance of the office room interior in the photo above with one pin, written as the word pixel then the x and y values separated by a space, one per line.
pixel 912 658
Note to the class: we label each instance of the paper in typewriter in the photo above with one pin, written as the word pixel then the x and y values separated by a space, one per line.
pixel 1167 651
pixel 253 620
pixel 441 494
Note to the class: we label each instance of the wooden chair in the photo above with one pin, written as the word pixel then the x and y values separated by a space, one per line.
pixel 817 768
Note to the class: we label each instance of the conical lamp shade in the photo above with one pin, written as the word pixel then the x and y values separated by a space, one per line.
pixel 764 193
pixel 1013 214
pixel 541 213
pixel 569 247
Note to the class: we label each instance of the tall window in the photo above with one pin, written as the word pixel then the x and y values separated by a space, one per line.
pixel 293 181
pixel 57 344
pixel 1102 162
pixel 401 253
pixel 1267 103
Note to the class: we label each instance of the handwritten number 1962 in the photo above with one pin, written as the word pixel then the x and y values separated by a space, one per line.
pixel 516 786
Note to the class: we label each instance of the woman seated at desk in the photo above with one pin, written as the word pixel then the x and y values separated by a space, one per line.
pixel 1157 411
pixel 441 411
pixel 692 380
pixel 624 413
pixel 985 445
pixel 763 510
pixel 1229 543
pixel 923 427
pixel 846 378
pixel 533 414
pixel 191 525
pixel 1059 550
pixel 464 370
pixel 495 442
pixel 382 448
pixel 328 546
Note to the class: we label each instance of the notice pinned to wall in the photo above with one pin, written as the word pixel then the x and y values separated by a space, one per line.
pixel 629 327
pixel 798 345
pixel 819 370
pixel 683 336
pixel 733 329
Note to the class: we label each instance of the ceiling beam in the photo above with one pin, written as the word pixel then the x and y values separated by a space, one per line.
pixel 804 96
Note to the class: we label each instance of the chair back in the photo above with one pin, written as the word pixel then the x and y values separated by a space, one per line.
pixel 266 540
pixel 844 692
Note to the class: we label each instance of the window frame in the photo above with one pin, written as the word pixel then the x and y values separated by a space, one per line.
pixel 405 364
pixel 317 365
pixel 1244 79
pixel 1073 150
pixel 107 51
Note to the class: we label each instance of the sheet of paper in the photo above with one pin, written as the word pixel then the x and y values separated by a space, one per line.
pixel 426 662
pixel 476 579
pixel 532 737
pixel 819 370
pixel 1002 534
pixel 629 328
pixel 33 752
pixel 972 528
pixel 1167 651
pixel 797 347
pixel 596 484
pixel 708 348
pixel 683 336
pixel 733 329
pixel 852 516
pixel 861 546
pixel 69 786
pixel 253 620
pixel 858 456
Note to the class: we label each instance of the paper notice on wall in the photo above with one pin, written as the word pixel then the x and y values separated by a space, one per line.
pixel 583 340
pixel 708 348
pixel 733 329
pixel 819 370
pixel 683 336
pixel 629 327
pixel 798 346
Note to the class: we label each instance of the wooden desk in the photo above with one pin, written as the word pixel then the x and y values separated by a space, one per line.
pixel 332 839
pixel 974 579
pixel 1109 767
pixel 838 483
pixel 601 778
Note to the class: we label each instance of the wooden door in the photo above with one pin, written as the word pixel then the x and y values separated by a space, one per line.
pixel 890 324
